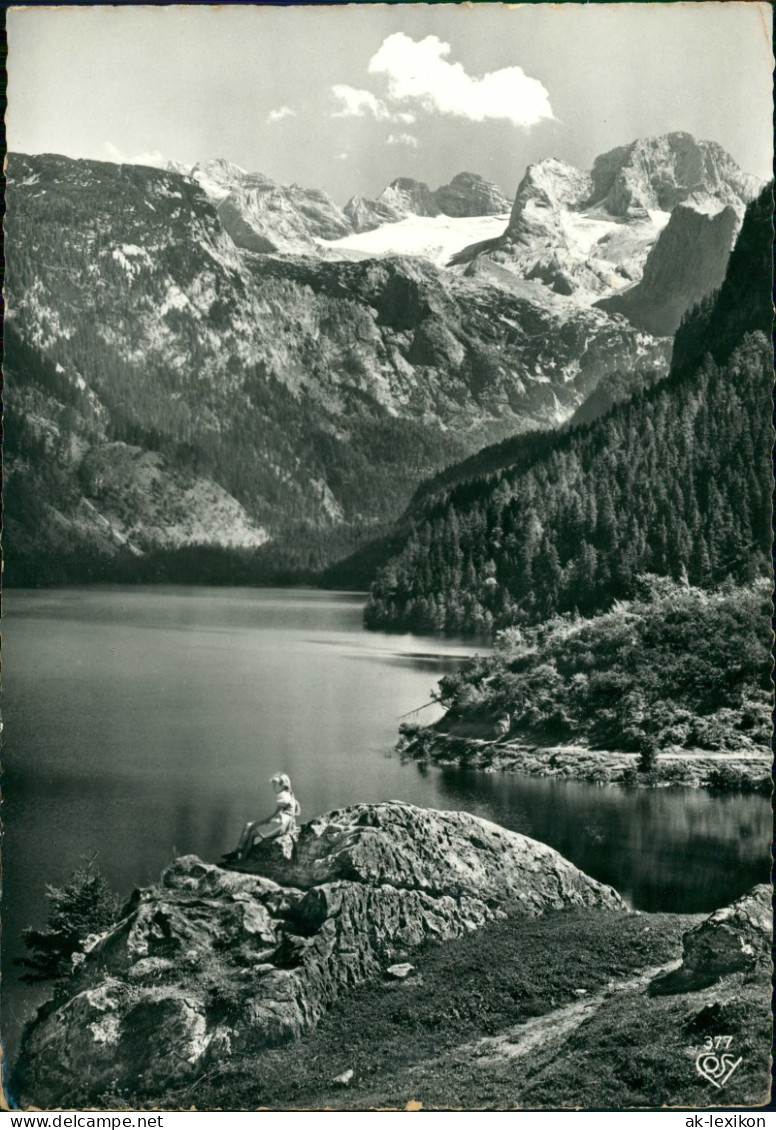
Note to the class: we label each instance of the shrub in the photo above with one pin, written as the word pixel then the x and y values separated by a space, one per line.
pixel 648 754
pixel 84 905
pixel 723 778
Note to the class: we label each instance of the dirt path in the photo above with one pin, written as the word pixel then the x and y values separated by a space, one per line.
pixel 546 1030
pixel 747 769
pixel 684 755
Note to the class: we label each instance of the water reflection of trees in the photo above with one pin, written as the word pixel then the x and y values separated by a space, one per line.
pixel 668 849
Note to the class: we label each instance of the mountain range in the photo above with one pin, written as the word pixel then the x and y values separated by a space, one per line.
pixel 205 357
pixel 261 215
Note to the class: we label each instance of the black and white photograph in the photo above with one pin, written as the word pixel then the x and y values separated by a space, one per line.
pixel 387 581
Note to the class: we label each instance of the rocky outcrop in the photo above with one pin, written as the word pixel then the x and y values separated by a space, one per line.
pixel 735 939
pixel 687 262
pixel 366 215
pixel 450 854
pixel 263 216
pixel 211 962
pixel 661 172
pixel 407 195
pixel 468 194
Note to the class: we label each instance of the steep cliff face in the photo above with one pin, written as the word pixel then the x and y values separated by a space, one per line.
pixel 550 184
pixel 553 237
pixel 211 963
pixel 687 262
pixel 265 216
pixel 744 302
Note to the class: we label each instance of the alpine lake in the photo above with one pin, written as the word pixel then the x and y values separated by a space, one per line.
pixel 143 723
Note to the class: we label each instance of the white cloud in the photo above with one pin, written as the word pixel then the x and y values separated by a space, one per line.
pixel 280 113
pixel 358 103
pixel 362 103
pixel 153 158
pixel 402 139
pixel 341 156
pixel 421 71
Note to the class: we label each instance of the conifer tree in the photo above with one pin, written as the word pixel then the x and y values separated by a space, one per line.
pixel 84 905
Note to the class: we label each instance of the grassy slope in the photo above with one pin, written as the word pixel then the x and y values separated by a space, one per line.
pixel 473 988
pixel 446 1037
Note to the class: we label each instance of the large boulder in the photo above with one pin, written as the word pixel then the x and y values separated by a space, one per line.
pixel 735 939
pixel 213 961
pixel 443 854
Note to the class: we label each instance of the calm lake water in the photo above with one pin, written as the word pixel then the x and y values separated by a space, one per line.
pixel 144 722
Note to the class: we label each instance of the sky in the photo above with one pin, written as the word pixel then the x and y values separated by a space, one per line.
pixel 349 98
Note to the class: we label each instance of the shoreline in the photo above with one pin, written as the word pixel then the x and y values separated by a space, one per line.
pixel 675 768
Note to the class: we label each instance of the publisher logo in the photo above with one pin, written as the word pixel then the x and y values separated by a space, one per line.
pixel 715 1063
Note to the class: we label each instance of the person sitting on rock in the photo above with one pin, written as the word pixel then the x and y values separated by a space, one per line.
pixel 282 822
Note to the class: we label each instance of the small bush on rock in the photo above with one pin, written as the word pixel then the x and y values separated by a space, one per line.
pixel 85 905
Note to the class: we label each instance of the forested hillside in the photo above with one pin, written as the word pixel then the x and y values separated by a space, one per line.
pixel 674 482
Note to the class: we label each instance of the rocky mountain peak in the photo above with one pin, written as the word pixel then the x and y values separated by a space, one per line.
pixel 469 194
pixel 588 235
pixel 217 177
pixel 408 195
pixel 551 184
pixel 661 172
pixel 365 215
